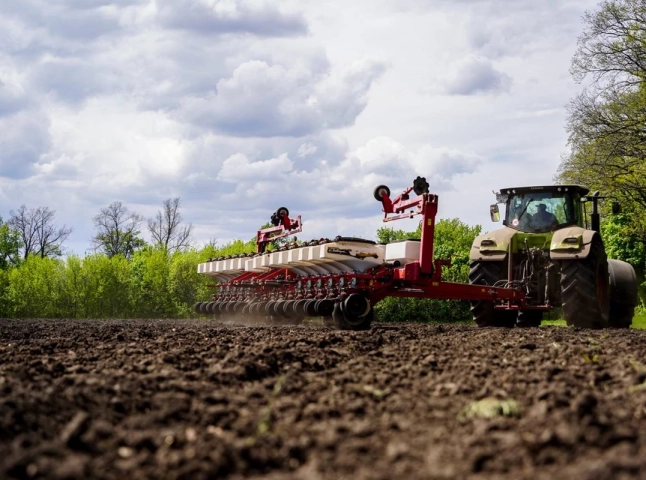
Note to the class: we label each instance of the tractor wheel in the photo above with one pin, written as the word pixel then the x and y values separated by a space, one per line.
pixel 529 318
pixel 343 321
pixel 484 314
pixel 623 294
pixel 621 316
pixel 584 289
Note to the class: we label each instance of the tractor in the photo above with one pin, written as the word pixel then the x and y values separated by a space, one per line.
pixel 546 250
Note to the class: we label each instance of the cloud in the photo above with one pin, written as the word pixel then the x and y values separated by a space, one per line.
pixel 521 28
pixel 75 21
pixel 12 98
pixel 343 94
pixel 475 75
pixel 72 80
pixel 263 100
pixel 24 138
pixel 306 150
pixel 229 16
pixel 239 168
pixel 348 184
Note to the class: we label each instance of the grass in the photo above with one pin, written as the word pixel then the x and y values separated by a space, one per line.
pixel 639 322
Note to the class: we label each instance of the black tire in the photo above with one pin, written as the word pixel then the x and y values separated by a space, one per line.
pixel 529 318
pixel 345 322
pixel 585 289
pixel 484 314
pixel 196 307
pixel 378 191
pixel 621 316
pixel 623 294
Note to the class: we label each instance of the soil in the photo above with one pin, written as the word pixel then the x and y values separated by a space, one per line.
pixel 197 399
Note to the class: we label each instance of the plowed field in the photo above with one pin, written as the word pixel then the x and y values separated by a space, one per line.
pixel 196 399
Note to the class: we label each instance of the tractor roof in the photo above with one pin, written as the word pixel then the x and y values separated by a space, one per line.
pixel 580 189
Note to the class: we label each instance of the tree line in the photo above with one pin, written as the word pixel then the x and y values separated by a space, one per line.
pixel 128 278
pixel 33 231
pixel 607 122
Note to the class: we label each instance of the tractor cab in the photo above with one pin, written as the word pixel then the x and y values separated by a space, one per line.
pixel 540 209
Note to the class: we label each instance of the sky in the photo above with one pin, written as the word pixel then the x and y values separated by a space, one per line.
pixel 239 107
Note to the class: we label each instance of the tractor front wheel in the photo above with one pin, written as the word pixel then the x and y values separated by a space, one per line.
pixel 483 311
pixel 585 289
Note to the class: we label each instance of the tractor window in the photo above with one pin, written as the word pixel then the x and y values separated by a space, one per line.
pixel 541 211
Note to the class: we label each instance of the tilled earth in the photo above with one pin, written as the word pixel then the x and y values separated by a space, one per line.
pixel 197 399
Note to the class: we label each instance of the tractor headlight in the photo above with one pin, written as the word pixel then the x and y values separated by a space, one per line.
pixel 487 243
pixel 571 240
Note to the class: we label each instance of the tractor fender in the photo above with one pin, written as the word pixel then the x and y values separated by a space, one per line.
pixel 572 243
pixel 623 283
pixel 492 246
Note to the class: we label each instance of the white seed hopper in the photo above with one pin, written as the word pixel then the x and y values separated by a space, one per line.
pixel 344 256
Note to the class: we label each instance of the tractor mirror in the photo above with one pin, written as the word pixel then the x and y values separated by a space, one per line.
pixel 494 212
pixel 616 208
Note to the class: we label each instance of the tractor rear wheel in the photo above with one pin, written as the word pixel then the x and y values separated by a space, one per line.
pixel 623 294
pixel 621 316
pixel 484 314
pixel 584 289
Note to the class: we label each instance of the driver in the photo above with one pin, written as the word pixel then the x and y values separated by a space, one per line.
pixel 542 218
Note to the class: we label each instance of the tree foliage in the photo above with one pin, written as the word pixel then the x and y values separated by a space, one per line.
pixel 117 231
pixel 9 246
pixel 612 47
pixel 606 121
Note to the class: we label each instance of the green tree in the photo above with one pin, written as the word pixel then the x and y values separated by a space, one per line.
pixel 388 234
pixel 117 231
pixel 149 287
pixel 97 286
pixel 9 246
pixel 606 121
pixel 186 286
pixel 34 288
pixel 5 305
pixel 623 243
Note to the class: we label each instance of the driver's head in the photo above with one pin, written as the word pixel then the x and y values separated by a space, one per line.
pixel 541 207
